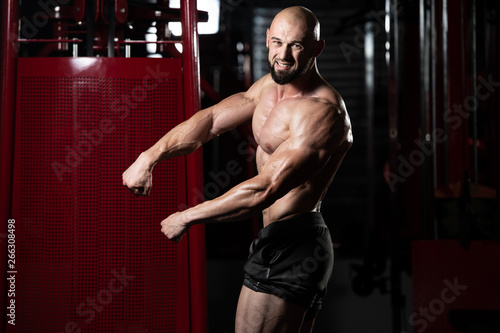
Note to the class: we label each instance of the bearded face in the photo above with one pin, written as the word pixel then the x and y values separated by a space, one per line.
pixel 293 47
pixel 284 71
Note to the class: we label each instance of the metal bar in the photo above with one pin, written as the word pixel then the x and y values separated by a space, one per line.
pixel 463 49
pixel 24 40
pixel 75 50
pixel 392 61
pixel 370 101
pixel 474 109
pixel 433 90
pixel 149 42
pixel 433 106
pixel 444 37
pixel 127 49
pixel 111 29
pixel 424 93
pixel 128 44
pixel 8 56
pixel 90 15
pixel 194 163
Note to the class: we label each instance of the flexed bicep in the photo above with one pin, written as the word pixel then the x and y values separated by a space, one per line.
pixel 290 166
pixel 318 131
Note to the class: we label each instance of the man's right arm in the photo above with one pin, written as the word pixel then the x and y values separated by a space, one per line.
pixel 189 136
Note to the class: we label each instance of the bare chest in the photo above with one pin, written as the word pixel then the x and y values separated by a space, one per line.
pixel 271 125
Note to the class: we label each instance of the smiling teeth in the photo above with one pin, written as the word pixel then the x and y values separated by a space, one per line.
pixel 283 65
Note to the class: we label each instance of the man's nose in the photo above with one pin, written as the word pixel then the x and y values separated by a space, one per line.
pixel 285 52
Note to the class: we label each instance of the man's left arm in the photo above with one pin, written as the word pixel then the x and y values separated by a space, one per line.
pixel 313 140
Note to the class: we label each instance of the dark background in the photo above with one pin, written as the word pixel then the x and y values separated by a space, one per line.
pixel 373 218
pixel 407 79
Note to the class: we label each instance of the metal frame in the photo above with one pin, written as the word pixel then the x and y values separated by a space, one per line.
pixel 192 104
pixel 191 87
pixel 8 63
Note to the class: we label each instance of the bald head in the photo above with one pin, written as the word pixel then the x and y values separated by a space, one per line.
pixel 300 17
pixel 293 43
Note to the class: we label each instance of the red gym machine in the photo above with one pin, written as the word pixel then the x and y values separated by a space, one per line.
pixel 81 97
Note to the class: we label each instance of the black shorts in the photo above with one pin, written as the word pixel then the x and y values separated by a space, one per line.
pixel 292 259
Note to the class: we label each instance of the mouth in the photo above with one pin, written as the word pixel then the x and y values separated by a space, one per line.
pixel 282 65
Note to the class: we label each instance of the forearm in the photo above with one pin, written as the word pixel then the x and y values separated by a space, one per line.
pixel 183 139
pixel 242 201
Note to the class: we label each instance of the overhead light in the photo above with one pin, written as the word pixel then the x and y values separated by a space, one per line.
pixel 204 28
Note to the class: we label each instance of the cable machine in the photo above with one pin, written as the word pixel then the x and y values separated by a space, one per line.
pixel 86 86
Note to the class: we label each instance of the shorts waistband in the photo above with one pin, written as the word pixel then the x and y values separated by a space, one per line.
pixel 302 221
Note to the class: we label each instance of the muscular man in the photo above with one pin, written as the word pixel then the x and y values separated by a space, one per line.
pixel 303 132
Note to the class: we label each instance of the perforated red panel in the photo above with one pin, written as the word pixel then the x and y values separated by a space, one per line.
pixel 90 255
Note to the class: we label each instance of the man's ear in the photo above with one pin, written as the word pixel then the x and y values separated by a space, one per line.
pixel 267 38
pixel 318 48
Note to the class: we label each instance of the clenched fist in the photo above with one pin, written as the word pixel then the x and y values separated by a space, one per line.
pixel 174 226
pixel 138 177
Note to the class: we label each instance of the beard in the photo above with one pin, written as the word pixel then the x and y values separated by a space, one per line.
pixel 287 76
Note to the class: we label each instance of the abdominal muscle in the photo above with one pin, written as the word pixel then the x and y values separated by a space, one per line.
pixel 283 208
pixel 304 198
